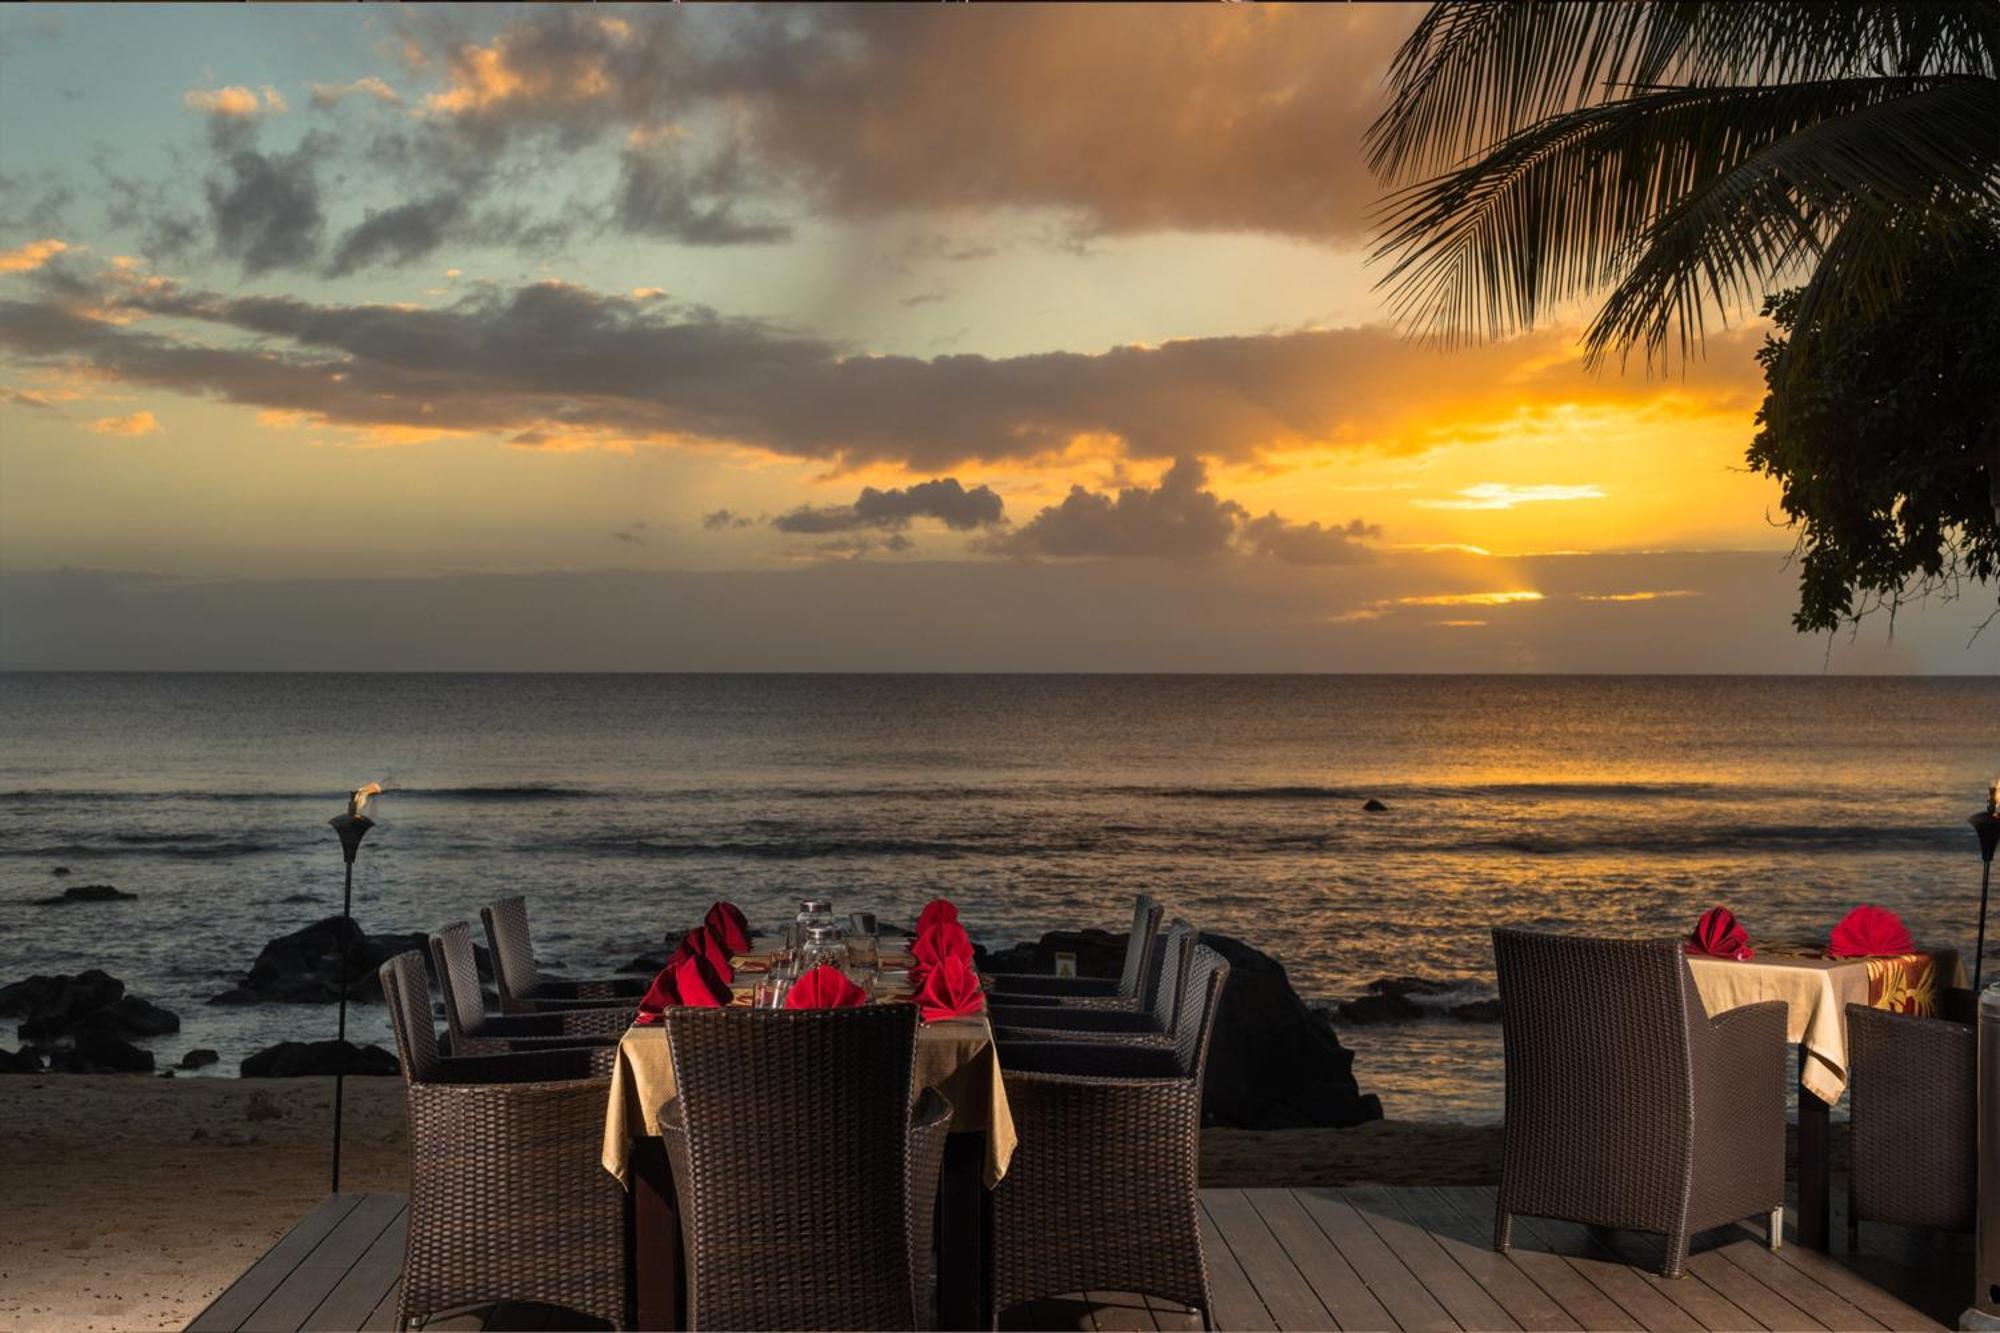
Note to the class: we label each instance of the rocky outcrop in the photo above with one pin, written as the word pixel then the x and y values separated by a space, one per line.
pixel 100 1053
pixel 1413 999
pixel 307 966
pixel 201 1057
pixel 1273 1063
pixel 298 1059
pixel 85 893
pixel 85 1023
pixel 1374 806
pixel 23 1061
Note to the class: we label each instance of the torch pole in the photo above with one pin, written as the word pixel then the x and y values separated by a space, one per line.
pixel 340 1069
pixel 1987 825
pixel 1979 943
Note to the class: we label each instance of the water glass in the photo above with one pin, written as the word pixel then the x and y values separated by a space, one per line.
pixel 771 989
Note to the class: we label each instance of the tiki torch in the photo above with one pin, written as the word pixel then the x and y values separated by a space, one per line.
pixel 351 827
pixel 1987 825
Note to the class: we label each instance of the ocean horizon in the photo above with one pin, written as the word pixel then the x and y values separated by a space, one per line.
pixel 620 804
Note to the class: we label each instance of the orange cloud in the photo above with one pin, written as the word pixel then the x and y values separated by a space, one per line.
pixel 138 423
pixel 235 102
pixel 1498 495
pixel 33 255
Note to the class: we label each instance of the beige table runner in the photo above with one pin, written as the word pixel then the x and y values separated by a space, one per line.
pixel 1817 990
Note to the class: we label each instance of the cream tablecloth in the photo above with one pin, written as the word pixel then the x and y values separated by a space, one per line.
pixel 1817 990
pixel 955 1056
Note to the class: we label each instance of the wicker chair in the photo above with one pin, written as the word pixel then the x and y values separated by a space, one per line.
pixel 1102 1192
pixel 476 1032
pixel 1151 1026
pixel 508 1200
pixel 792 1129
pixel 1912 1091
pixel 1129 991
pixel 1627 1105
pixel 523 988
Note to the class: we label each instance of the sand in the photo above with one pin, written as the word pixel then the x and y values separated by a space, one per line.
pixel 130 1202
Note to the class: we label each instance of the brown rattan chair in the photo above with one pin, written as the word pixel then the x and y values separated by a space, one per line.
pixel 1129 991
pixel 1102 1191
pixel 476 1032
pixel 806 1182
pixel 523 988
pixel 508 1198
pixel 1151 1026
pixel 1627 1105
pixel 1913 1089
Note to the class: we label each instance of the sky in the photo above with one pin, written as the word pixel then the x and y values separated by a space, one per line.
pixel 782 338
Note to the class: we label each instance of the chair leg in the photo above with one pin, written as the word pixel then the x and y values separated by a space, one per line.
pixel 1777 1232
pixel 1503 1231
pixel 1674 1262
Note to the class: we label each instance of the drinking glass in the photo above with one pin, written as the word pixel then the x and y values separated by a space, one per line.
pixel 771 990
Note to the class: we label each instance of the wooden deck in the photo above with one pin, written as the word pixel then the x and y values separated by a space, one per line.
pixel 1416 1259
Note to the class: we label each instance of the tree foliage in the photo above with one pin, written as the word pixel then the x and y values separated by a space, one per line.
pixel 1887 439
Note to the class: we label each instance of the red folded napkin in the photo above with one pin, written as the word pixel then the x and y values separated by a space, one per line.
pixel 936 912
pixel 725 921
pixel 1719 935
pixel 699 984
pixel 659 995
pixel 950 990
pixel 824 988
pixel 702 943
pixel 1869 932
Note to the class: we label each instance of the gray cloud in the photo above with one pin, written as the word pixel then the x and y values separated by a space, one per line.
pixel 944 499
pixel 725 520
pixel 1177 520
pixel 632 534
pixel 659 195
pixel 1310 543
pixel 397 235
pixel 265 209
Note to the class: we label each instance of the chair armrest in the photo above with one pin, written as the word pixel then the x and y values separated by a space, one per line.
pixel 1031 983
pixel 538 1066
pixel 597 990
pixel 560 1023
pixel 1070 1020
pixel 1090 1060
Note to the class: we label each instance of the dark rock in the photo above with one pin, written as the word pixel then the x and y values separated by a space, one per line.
pixel 199 1058
pixel 1477 1011
pixel 85 893
pixel 20 1062
pixel 60 871
pixel 1273 1062
pixel 40 995
pixel 307 966
pixel 55 1007
pixel 100 1053
pixel 166 1073
pixel 1373 806
pixel 130 1016
pixel 1396 1000
pixel 296 1059
pixel 645 964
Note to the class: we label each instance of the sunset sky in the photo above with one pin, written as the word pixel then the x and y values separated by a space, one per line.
pixel 940 337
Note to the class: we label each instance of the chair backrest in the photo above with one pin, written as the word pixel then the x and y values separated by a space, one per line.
pixel 513 949
pixel 798 1133
pixel 407 989
pixel 1913 1095
pixel 1176 949
pixel 1597 1039
pixel 458 981
pixel 1139 948
pixel 1200 1000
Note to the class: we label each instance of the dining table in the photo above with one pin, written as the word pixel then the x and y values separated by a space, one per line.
pixel 956 1056
pixel 1816 988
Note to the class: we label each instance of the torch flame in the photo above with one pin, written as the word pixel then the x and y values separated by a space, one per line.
pixel 358 802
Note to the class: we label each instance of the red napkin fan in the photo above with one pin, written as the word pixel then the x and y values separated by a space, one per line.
pixel 727 923
pixel 950 990
pixel 1719 935
pixel 824 988
pixel 1869 932
pixel 702 943
pixel 944 940
pixel 698 983
pixel 659 995
pixel 936 912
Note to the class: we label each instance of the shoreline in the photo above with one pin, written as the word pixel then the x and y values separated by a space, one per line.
pixel 134 1201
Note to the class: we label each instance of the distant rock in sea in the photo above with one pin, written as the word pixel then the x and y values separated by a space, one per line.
pixel 85 893
pixel 307 966
pixel 60 870
pixel 1373 806
pixel 85 1023
pixel 1273 1063
pixel 23 1061
pixel 298 1059
pixel 200 1058
pixel 100 1053
pixel 1403 1000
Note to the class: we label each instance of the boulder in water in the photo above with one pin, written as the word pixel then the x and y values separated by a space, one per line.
pixel 86 893
pixel 307 966
pixel 1373 806
pixel 23 1061
pixel 201 1057
pixel 100 1053
pixel 298 1059
pixel 60 871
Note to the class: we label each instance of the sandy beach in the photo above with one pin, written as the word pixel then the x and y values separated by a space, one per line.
pixel 131 1202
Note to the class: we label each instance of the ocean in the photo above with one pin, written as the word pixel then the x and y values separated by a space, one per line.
pixel 621 805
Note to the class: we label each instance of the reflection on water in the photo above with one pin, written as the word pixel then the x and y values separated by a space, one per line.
pixel 622 804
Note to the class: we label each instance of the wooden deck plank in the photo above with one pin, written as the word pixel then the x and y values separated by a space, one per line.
pixel 1340 1289
pixel 382 1319
pixel 1829 1272
pixel 227 1312
pixel 1171 1318
pixel 1764 1305
pixel 288 1306
pixel 1621 1282
pixel 1286 1294
pixel 1577 1294
pixel 1829 1307
pixel 1120 1312
pixel 1455 1289
pixel 1703 1303
pixel 1471 1248
pixel 1414 1309
pixel 1237 1304
pixel 364 1286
